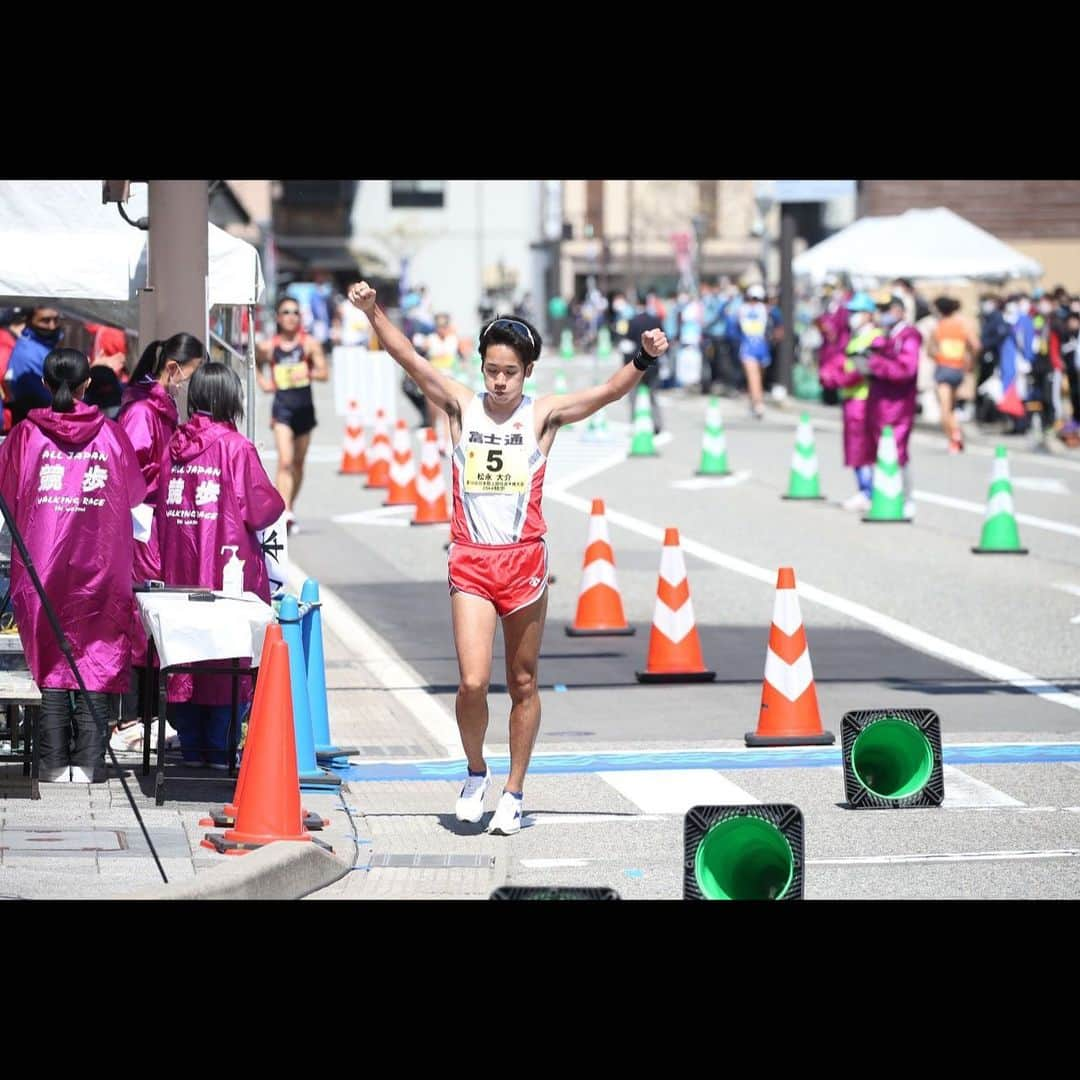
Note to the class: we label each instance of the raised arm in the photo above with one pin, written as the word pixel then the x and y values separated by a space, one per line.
pixel 555 410
pixel 443 392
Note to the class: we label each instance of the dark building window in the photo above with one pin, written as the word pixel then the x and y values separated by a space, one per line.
pixel 315 192
pixel 417 192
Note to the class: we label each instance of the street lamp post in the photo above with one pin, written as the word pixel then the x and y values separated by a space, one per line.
pixel 699 221
pixel 764 202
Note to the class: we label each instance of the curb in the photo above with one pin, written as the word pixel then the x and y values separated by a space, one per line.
pixel 283 870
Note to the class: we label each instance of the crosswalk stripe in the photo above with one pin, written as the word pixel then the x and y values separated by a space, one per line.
pixel 674 791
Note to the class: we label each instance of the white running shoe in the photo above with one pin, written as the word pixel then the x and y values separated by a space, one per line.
pixel 858 502
pixel 470 804
pixel 128 739
pixel 507 818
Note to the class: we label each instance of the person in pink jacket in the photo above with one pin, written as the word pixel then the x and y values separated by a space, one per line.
pixel 894 367
pixel 846 371
pixel 214 492
pixel 149 415
pixel 70 477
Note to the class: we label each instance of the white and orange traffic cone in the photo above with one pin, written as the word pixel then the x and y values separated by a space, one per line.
pixel 430 486
pixel 789 714
pixel 600 608
pixel 379 456
pixel 402 470
pixel 674 646
pixel 353 457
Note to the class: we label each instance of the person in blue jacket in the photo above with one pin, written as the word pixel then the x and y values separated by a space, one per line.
pixel 26 367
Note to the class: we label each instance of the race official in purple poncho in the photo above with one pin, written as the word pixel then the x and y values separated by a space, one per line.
pixel 71 478
pixel 214 492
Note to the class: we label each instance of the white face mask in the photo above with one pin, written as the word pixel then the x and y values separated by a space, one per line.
pixel 888 319
pixel 1025 306
pixel 987 306
pixel 857 320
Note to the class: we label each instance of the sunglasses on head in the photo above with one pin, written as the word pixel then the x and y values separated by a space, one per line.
pixel 513 325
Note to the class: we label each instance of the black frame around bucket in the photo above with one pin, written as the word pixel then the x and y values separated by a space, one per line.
pixel 860 797
pixel 553 892
pixel 786 817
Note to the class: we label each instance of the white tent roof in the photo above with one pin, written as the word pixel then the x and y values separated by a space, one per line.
pixel 59 242
pixel 919 244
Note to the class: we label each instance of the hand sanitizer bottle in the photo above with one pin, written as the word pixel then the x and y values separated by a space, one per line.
pixel 232 576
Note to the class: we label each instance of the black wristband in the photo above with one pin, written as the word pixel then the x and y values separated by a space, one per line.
pixel 643 360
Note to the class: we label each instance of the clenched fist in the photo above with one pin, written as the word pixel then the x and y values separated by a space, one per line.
pixel 654 342
pixel 362 295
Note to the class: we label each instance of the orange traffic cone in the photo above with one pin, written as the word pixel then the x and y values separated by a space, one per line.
pixel 402 470
pixel 379 456
pixel 789 714
pixel 270 809
pixel 600 608
pixel 674 647
pixel 224 817
pixel 430 486
pixel 353 458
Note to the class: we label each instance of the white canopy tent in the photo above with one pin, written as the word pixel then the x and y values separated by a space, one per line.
pixel 60 243
pixel 918 244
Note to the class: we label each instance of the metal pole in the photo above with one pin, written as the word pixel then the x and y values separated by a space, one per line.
pixel 251 373
pixel 787 298
pixel 179 248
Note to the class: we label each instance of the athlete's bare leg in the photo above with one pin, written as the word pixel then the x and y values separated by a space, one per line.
pixel 474 636
pixel 300 449
pixel 283 437
pixel 523 632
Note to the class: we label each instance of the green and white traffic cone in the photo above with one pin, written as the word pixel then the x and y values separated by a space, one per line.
pixel 804 482
pixel 561 387
pixel 887 499
pixel 713 443
pixel 566 345
pixel 597 429
pixel 642 445
pixel 1000 535
pixel 603 343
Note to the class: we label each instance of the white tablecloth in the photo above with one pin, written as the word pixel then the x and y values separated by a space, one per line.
pixel 187 631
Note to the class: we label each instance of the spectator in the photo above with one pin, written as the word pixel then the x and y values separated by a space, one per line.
pixel 26 367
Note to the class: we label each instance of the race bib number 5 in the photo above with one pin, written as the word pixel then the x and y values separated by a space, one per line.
pixel 501 470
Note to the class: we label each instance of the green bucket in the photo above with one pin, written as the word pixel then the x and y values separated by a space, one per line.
pixel 744 858
pixel 892 759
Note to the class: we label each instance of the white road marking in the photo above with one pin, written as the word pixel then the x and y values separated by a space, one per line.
pixel 674 791
pixel 1047 484
pixel 963 791
pixel 956 856
pixel 551 864
pixel 384 515
pixel 585 819
pixel 700 482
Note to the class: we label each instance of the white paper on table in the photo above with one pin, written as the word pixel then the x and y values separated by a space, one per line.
pixel 142 517
pixel 187 631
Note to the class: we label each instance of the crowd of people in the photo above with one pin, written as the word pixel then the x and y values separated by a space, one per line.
pixel 112 484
